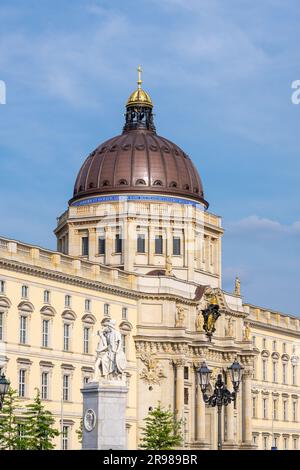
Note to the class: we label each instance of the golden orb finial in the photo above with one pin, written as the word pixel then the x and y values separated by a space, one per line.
pixel 139 97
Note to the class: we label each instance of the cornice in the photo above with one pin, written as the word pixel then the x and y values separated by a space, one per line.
pixel 274 328
pixel 59 276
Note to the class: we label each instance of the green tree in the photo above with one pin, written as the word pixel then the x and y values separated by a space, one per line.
pixel 79 432
pixel 9 423
pixel 39 427
pixel 162 430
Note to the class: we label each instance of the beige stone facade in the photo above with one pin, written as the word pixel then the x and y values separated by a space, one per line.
pixel 53 303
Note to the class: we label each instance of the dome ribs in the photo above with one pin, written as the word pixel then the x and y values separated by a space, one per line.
pixel 138 161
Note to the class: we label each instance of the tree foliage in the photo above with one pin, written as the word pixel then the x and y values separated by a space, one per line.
pixel 10 422
pixel 162 430
pixel 39 428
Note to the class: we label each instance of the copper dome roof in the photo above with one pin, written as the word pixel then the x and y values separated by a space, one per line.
pixel 138 161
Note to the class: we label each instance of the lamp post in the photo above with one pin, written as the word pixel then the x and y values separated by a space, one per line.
pixel 4 385
pixel 221 395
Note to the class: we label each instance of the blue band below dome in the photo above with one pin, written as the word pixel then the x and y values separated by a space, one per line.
pixel 93 200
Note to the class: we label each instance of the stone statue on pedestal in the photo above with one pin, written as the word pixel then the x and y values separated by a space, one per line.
pixel 105 397
pixel 237 286
pixel 111 361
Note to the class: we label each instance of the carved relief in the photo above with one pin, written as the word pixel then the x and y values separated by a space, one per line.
pixel 152 373
pixel 180 316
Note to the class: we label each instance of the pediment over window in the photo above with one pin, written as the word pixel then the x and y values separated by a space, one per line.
pixel 275 355
pixel 69 315
pixel 125 325
pixel 285 357
pixel 26 306
pixel 265 353
pixel 89 318
pixel 5 303
pixel 48 310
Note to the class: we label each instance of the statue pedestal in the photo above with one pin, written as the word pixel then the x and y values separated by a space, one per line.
pixel 104 410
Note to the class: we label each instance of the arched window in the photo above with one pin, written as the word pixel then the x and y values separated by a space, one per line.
pixel 140 182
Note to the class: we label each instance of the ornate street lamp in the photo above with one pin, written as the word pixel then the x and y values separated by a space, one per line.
pixel 4 385
pixel 221 395
pixel 236 371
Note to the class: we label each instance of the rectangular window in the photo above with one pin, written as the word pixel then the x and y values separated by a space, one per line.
pixel 118 243
pixel 85 246
pixel 22 378
pixel 67 301
pixel 86 340
pixel 274 371
pixel 87 305
pixel 186 373
pixel 274 345
pixel 264 369
pixel 275 408
pixel 66 387
pixel 106 310
pixel 284 368
pixel 23 329
pixel 285 443
pixel 45 335
pixel 284 347
pixel 86 380
pixel 21 434
pixel 176 246
pixel 264 343
pixel 253 340
pixel 2 287
pixel 285 410
pixel 186 396
pixel 101 245
pixel 141 243
pixel 265 408
pixel 254 438
pixel 45 385
pixel 1 326
pixel 158 245
pixel 124 313
pixel 294 375
pixel 66 438
pixel 294 411
pixel 254 407
pixel 46 296
pixel 66 337
pixel 295 443
pixel 25 292
pixel 265 442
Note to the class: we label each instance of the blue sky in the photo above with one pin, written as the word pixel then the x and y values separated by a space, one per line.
pixel 220 75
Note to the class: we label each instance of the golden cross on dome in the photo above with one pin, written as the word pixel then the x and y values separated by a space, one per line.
pixel 139 82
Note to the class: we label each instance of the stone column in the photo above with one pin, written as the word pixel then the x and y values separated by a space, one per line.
pixel 151 245
pixel 92 243
pixel 108 245
pixel 179 390
pixel 230 442
pixel 129 248
pixel 200 411
pixel 246 410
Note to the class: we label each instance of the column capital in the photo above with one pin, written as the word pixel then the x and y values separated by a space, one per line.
pixel 180 362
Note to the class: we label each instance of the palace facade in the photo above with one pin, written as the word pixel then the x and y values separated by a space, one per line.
pixel 138 244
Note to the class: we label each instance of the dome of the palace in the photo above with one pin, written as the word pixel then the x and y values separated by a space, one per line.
pixel 138 161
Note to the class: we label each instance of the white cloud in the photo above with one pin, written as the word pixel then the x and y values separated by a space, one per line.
pixel 259 226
